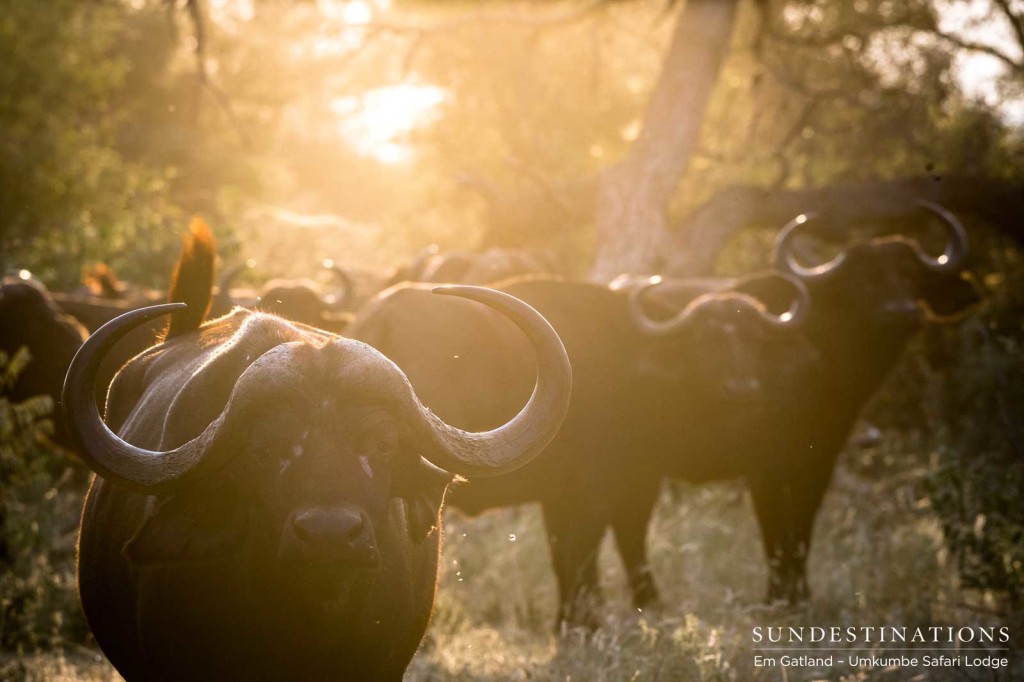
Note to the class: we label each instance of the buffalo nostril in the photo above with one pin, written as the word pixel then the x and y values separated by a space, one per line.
pixel 333 533
pixel 356 531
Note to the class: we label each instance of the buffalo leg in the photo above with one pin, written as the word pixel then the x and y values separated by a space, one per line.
pixel 786 508
pixel 768 505
pixel 630 523
pixel 574 543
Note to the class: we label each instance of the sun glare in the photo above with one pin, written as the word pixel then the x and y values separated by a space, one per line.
pixel 376 122
pixel 354 12
pixel 231 14
pixel 979 73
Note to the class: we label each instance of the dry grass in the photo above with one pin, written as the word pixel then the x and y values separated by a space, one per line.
pixel 878 559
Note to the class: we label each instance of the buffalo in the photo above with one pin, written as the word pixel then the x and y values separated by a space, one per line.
pixel 645 395
pixel 869 301
pixel 30 319
pixel 298 300
pixel 267 497
pixel 465 267
pixel 664 392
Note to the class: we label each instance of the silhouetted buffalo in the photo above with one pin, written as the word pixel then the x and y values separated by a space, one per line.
pixel 268 507
pixel 298 300
pixel 30 319
pixel 650 399
pixel 465 267
pixel 868 302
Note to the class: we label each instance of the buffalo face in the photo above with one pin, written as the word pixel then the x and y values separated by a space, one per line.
pixel 889 282
pixel 721 341
pixel 271 498
pixel 308 526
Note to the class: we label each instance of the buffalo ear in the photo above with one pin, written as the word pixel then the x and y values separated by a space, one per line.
pixel 187 528
pixel 949 296
pixel 422 486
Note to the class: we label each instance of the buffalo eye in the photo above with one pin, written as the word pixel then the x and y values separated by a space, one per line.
pixel 378 444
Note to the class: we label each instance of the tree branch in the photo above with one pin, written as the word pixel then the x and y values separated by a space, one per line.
pixel 1016 21
pixel 979 47
pixel 707 229
pixel 195 12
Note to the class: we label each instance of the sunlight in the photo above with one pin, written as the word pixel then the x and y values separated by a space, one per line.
pixel 231 14
pixel 376 122
pixel 354 12
pixel 979 74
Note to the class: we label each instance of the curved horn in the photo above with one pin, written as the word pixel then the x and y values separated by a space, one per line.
pixel 681 320
pixel 141 470
pixel 793 318
pixel 955 254
pixel 795 315
pixel 512 445
pixel 339 301
pixel 785 261
pixel 23 274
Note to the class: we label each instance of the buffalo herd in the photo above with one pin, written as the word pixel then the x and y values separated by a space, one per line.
pixel 271 465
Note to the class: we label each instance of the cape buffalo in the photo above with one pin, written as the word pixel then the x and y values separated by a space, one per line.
pixel 30 319
pixel 648 400
pixel 868 302
pixel 465 267
pixel 269 506
pixel 298 300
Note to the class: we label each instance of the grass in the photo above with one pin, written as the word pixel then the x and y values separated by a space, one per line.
pixel 878 559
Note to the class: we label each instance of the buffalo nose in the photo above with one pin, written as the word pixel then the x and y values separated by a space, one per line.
pixel 342 534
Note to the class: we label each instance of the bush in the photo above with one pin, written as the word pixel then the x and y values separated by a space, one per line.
pixel 978 456
pixel 38 518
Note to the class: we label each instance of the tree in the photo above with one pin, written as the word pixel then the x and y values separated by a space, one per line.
pixel 634 194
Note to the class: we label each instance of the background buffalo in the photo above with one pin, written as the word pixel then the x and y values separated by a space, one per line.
pixel 635 403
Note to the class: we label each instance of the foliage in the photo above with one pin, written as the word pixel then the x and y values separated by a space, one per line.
pixel 92 168
pixel 978 456
pixel 38 518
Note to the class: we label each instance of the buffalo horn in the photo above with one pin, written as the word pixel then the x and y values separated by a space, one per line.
pixel 515 443
pixel 785 261
pixel 956 241
pixel 796 314
pixel 138 469
pixel 734 295
pixel 340 300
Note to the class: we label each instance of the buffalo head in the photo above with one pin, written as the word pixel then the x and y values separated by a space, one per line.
pixel 268 507
pixel 889 281
pixel 721 335
pixel 299 300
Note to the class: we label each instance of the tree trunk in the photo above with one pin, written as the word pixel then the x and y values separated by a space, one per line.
pixel 633 197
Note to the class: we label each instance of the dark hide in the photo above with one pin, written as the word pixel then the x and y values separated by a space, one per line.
pixel 29 318
pixel 688 405
pixel 242 575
